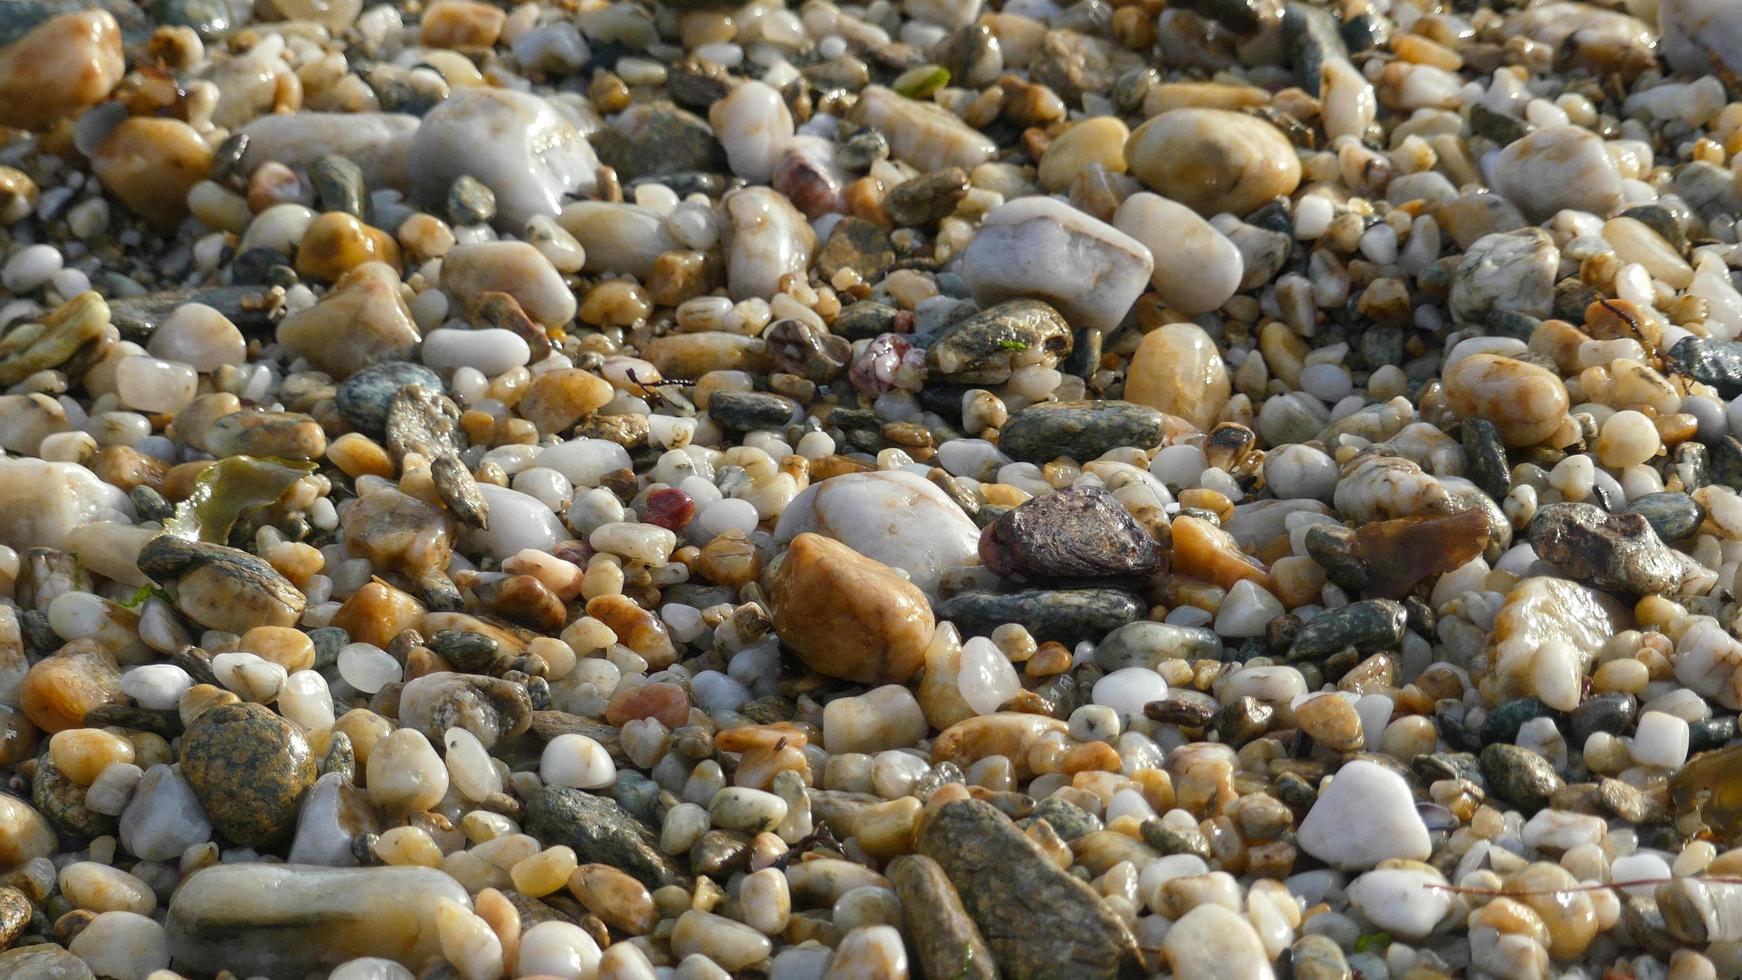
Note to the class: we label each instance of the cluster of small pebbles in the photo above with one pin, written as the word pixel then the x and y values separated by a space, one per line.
pixel 633 489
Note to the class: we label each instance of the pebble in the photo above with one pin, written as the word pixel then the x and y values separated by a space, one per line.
pixel 891 517
pixel 1042 248
pixel 514 143
pixel 1072 534
pixel 363 320
pixel 754 127
pixel 847 615
pixel 516 268
pixel 1403 902
pixel 62 66
pixel 1512 271
pixel 150 165
pixel 1196 267
pixel 248 768
pixel 919 133
pixel 1558 167
pixel 1610 551
pixel 1213 160
pixel 1177 369
pixel 1079 430
pixel 1365 816
pixel 1527 404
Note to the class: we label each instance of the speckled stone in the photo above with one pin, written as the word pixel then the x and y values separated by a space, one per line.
pixel 1082 431
pixel 1519 776
pixel 44 961
pixel 1672 515
pixel 1368 625
pixel 365 397
pixel 1066 615
pixel 14 914
pixel 249 767
pixel 62 801
pixel 601 832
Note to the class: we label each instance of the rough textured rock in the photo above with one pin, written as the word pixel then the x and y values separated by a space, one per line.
pixel 1620 552
pixel 1082 532
pixel 1008 886
pixel 601 832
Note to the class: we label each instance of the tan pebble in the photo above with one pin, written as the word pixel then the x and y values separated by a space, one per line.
pixel 336 242
pixel 847 615
pixel 1331 721
pixel 286 646
pixel 150 164
pixel 61 66
pixel 1177 369
pixel 81 753
pixel 377 613
pixel 362 320
pixel 558 399
pixel 1100 139
pixel 358 455
pixel 614 896
pixel 1525 402
pixel 461 24
pixel 1212 160
pixel 60 690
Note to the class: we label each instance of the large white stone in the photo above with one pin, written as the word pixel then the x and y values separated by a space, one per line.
pixel 1212 942
pixel 516 143
pixel 1042 248
pixel 1701 35
pixel 41 501
pixel 896 517
pixel 1197 268
pixel 517 521
pixel 1365 816
pixel 377 142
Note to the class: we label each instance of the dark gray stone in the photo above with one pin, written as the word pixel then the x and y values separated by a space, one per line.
pixel 987 347
pixel 601 832
pixel 944 937
pixel 1066 615
pixel 364 397
pixel 1619 552
pixel 1672 515
pixel 746 411
pixel 1083 532
pixel 1369 626
pixel 1519 777
pixel 1714 362
pixel 1487 467
pixel 1082 431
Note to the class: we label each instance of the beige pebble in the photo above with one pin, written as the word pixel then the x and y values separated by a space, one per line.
pixel 61 66
pixel 1213 160
pixel 1527 403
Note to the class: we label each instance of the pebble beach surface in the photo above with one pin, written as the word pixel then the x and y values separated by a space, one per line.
pixel 611 490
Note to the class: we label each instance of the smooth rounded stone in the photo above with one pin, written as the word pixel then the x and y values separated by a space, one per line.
pixel 122 944
pixel 1619 552
pixel 249 768
pixel 30 268
pixel 42 502
pixel 43 961
pixel 378 143
pixel 152 385
pixel 1082 431
pixel 1401 901
pixel 515 143
pixel 1365 816
pixel 1197 268
pixel 658 138
pixel 732 945
pixel 1097 140
pixel 754 125
pixel 515 268
pixel 1066 615
pixel 1518 776
pixel 988 859
pixel 1178 370
pixel 1300 472
pixel 1527 404
pixel 1513 271
pixel 600 831
pixel 988 346
pixel 59 68
pixel 1697 911
pixel 1673 516
pixel 870 953
pixel 1213 160
pixel 364 398
pixel 222 588
pixel 1699 36
pixel 1556 168
pixel 1126 691
pixel 1368 625
pixel 882 718
pixel 768 240
pixel 491 708
pixel 1212 941
pixel 362 320
pixel 492 350
pixel 290 920
pixel 583 462
pixel 165 817
pixel 894 517
pixel 26 421
pixel 576 761
pixel 847 615
pixel 150 165
pixel 558 949
pixel 1042 248
pixel 334 814
pixel 1082 532
pixel 1661 740
pixel 1147 644
pixel 1544 611
pixel 921 133
pixel 518 521
pixel 200 337
pixel 404 774
pixel 1317 957
pixel 621 238
pixel 1714 362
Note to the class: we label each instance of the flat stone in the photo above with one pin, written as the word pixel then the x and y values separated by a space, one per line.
pixel 1369 625
pixel 1714 362
pixel 1083 431
pixel 1066 615
pixel 945 938
pixel 988 346
pixel 365 397
pixel 1007 885
pixel 601 832
pixel 1619 552
pixel 1082 532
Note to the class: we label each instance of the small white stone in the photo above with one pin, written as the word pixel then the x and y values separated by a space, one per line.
pixel 1365 816
pixel 367 667
pixel 154 385
pixel 1212 942
pixel 517 522
pixel 492 350
pixel 1400 901
pixel 200 337
pixel 1247 610
pixel 578 761
pixel 30 268
pixel 123 945
pixel 557 949
pixel 1661 740
pixel 1128 689
pixel 754 126
pixel 1042 248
